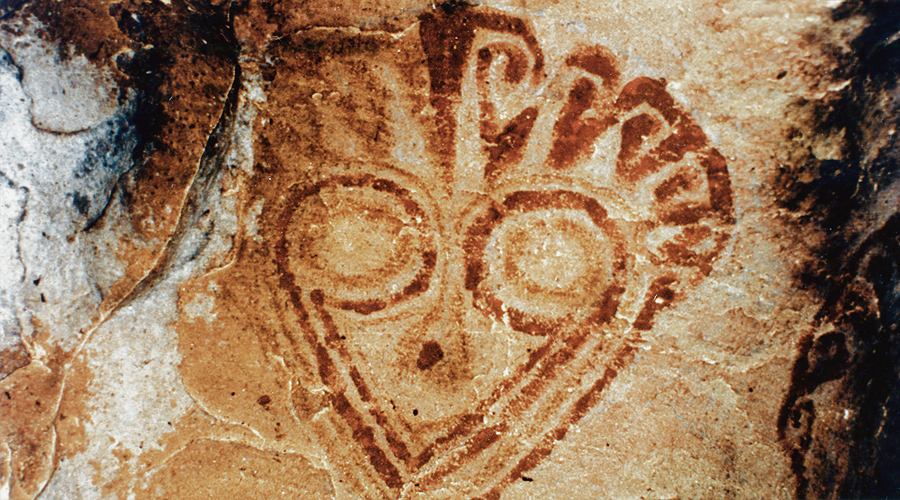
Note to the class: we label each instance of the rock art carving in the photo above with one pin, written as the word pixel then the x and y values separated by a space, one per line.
pixel 450 267
pixel 394 250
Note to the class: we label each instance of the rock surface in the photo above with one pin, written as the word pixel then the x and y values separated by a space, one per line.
pixel 404 250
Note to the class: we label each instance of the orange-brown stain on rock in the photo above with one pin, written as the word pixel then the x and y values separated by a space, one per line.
pixel 12 358
pixel 83 26
pixel 28 400
pixel 74 413
pixel 227 362
pixel 215 469
pixel 202 458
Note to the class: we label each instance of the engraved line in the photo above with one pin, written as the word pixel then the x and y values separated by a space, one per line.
pixel 577 412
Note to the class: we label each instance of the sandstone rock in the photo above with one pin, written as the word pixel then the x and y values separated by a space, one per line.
pixel 381 250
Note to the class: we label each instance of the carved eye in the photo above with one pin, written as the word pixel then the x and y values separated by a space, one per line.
pixel 364 242
pixel 550 261
pixel 551 258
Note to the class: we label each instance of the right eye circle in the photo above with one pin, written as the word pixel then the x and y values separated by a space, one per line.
pixel 548 258
pixel 551 258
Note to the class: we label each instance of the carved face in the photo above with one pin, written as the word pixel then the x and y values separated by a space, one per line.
pixel 456 245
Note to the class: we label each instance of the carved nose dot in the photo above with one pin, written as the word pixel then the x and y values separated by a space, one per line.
pixel 430 355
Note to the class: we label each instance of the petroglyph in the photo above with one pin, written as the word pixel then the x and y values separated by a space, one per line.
pixel 395 280
pixel 406 250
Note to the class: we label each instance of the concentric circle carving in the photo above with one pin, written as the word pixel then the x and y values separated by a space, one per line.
pixel 544 260
pixel 362 243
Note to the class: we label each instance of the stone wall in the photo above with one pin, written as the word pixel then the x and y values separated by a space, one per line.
pixel 395 250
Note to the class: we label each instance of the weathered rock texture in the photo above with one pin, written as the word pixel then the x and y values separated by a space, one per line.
pixel 403 250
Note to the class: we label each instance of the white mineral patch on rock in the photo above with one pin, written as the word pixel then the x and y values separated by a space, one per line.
pixel 133 358
pixel 69 94
pixel 12 272
pixel 61 184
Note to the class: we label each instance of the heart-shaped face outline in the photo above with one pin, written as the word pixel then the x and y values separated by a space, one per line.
pixel 562 379
pixel 568 346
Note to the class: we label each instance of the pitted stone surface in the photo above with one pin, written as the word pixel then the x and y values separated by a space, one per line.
pixel 381 250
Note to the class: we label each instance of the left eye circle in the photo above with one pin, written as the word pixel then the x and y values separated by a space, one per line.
pixel 365 242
